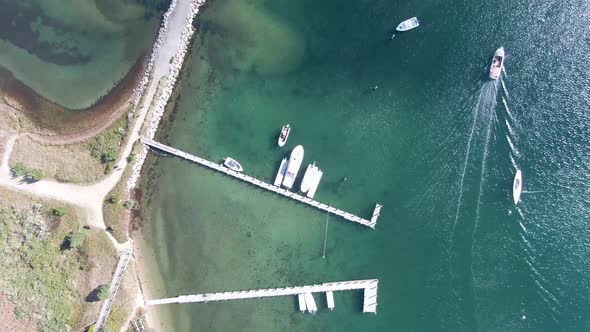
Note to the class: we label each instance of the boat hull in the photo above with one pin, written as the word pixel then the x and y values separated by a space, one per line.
pixel 281 173
pixel 284 135
pixel 293 167
pixel 311 180
pixel 232 164
pixel 497 64
pixel 408 24
pixel 517 187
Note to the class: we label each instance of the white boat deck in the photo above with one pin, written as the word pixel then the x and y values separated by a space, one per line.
pixel 281 173
pixel 312 308
pixel 246 178
pixel 330 300
pixel 315 183
pixel 369 286
pixel 301 299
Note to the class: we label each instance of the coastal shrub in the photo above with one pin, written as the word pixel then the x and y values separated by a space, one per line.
pixel 103 293
pixel 58 211
pixel 109 155
pixel 105 147
pixel 75 239
pixel 19 170
pixel 28 173
pixel 113 199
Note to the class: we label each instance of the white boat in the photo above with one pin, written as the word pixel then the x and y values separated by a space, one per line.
pixel 408 24
pixel 310 303
pixel 293 167
pixel 281 173
pixel 285 131
pixel 517 186
pixel 497 64
pixel 330 300
pixel 232 164
pixel 302 306
pixel 311 175
pixel 311 180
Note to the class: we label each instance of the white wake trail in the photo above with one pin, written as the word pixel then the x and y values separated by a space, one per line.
pixel 475 116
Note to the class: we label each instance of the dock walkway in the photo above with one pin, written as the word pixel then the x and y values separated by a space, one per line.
pixel 105 308
pixel 369 286
pixel 246 178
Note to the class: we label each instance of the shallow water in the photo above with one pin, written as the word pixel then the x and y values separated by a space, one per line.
pixel 436 143
pixel 74 52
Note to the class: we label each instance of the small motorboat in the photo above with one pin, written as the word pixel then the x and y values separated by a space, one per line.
pixel 232 164
pixel 497 64
pixel 517 186
pixel 408 24
pixel 284 134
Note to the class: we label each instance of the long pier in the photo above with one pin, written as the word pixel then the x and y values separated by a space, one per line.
pixel 369 286
pixel 246 178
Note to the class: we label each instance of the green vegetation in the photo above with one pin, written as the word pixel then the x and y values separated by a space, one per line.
pixel 113 199
pixel 28 173
pixel 131 158
pixel 75 240
pixel 104 292
pixel 58 211
pixel 46 283
pixel 106 146
pixel 117 215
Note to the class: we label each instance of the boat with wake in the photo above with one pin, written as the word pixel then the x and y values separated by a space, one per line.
pixel 293 167
pixel 517 187
pixel 497 64
pixel 408 24
pixel 232 164
pixel 285 131
pixel 311 180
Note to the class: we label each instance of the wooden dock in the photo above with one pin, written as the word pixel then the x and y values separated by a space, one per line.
pixel 105 308
pixel 261 184
pixel 369 287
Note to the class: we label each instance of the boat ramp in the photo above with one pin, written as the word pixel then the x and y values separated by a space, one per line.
pixel 261 184
pixel 304 294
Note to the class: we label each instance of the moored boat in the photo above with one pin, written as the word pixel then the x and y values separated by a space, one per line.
pixel 517 186
pixel 232 164
pixel 408 24
pixel 310 303
pixel 311 179
pixel 281 173
pixel 293 167
pixel 285 131
pixel 497 64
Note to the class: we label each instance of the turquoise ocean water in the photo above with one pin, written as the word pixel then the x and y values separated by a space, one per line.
pixel 437 144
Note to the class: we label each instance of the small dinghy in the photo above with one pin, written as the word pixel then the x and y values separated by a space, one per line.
pixel 497 64
pixel 408 24
pixel 284 135
pixel 232 164
pixel 517 186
